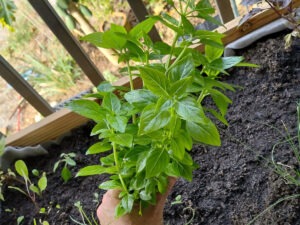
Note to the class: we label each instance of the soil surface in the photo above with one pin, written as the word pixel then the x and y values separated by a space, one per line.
pixel 234 182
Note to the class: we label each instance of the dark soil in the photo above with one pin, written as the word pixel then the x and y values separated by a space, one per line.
pixel 233 184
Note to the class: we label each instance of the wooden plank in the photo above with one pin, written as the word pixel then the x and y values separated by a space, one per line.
pixel 225 10
pixel 47 129
pixel 233 31
pixel 54 22
pixel 56 124
pixel 24 88
pixel 141 12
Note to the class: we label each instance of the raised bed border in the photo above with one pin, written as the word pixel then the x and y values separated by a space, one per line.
pixel 62 121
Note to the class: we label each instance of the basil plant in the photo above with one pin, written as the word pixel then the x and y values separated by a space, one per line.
pixel 147 133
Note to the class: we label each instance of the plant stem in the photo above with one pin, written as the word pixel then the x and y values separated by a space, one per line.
pixel 118 166
pixel 172 50
pixel 202 96
pixel 131 87
pixel 178 58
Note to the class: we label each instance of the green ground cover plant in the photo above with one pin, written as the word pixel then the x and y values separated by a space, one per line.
pixel 147 133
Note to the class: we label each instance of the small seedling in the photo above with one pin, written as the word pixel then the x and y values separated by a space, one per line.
pixel 20 219
pixel 30 189
pixel 67 160
pixel 85 219
pixel 40 222
pixel 178 200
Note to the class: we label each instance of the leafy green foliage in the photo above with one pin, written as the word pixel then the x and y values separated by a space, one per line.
pixel 68 161
pixel 147 133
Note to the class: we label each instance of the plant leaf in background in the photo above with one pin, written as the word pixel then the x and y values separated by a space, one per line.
pixel 21 169
pixel 2 144
pixel 7 11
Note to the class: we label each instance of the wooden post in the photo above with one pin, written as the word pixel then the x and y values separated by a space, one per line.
pixel 225 10
pixel 140 12
pixel 54 22
pixel 23 87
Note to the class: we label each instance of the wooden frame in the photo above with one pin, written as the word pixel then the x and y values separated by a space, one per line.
pixel 24 88
pixel 63 121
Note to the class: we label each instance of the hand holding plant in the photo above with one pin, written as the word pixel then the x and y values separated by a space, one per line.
pixel 147 133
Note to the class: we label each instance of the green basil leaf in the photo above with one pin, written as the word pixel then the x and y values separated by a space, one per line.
pixel 143 27
pixel 170 19
pixel 95 170
pixel 154 80
pixel 190 110
pixel 219 116
pixel 206 34
pixel 161 48
pixel 120 211
pixel 213 48
pixel 127 202
pixel 228 62
pixel 145 195
pixel 119 123
pixel 105 86
pixel 221 100
pixel 118 28
pixel 185 138
pixel 177 147
pixel 141 162
pixel 151 120
pixel 111 102
pixel 108 39
pixel 206 133
pixel 183 68
pixel 122 139
pixel 187 25
pixel 179 88
pixel 98 148
pixel 156 163
pixel 140 97
pixel 107 160
pixel 176 169
pixel 162 184
pixel 138 182
pixel 88 108
pixel 204 7
pixel 110 185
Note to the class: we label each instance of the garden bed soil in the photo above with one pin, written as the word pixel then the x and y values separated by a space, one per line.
pixel 233 183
